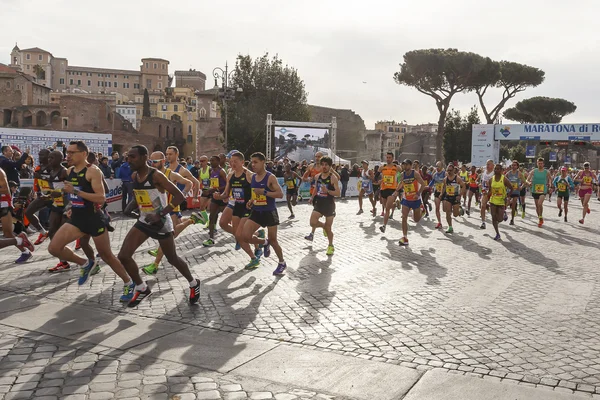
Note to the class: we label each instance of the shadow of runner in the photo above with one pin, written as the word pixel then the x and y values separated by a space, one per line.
pixel 314 277
pixel 423 261
pixel 533 256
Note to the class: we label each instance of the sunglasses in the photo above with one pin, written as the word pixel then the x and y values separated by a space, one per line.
pixel 156 161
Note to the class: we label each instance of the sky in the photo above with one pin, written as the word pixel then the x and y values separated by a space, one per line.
pixel 345 51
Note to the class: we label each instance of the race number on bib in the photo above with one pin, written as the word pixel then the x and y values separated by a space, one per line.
pixel 142 198
pixel 259 199
pixel 539 188
pixel 214 183
pixel 450 190
pixel 562 187
pixel 438 187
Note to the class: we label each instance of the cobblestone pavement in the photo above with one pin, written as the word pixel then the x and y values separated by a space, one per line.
pixel 524 308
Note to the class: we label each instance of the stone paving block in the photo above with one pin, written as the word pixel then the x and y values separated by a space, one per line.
pixel 209 395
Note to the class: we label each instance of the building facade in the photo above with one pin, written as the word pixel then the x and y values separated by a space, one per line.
pixel 193 79
pixel 128 111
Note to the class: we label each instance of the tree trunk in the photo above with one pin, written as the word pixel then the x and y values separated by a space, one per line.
pixel 439 139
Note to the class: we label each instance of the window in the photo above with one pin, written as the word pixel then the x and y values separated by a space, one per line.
pixel 116 76
pixel 78 82
pixel 163 66
pixel 136 85
pixel 164 116
pixel 189 139
pixel 62 81
pixel 202 113
pixel 116 84
pixel 390 129
pixel 138 99
pixel 99 83
pixel 28 56
pixel 165 107
pixel 175 107
pixel 28 66
pixel 88 74
pixel 70 81
pixel 147 66
pixel 149 83
pixel 125 85
pixel 40 57
pixel 189 129
pixel 397 129
pixel 89 83
pixel 160 77
pixel 160 85
pixel 8 84
pixel 137 112
pixel 126 76
pixel 99 75
pixel 109 84
pixel 154 65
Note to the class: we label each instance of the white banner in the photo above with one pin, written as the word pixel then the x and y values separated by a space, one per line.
pixel 483 147
pixel 547 132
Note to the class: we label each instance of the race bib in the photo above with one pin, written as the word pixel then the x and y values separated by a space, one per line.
pixel 497 192
pixel 515 185
pixel 365 184
pixel 205 183
pixel 409 187
pixel 76 201
pixel 142 198
pixel 44 185
pixel 214 183
pixel 587 180
pixel 259 199
pixel 388 179
pixel 58 201
pixel 562 187
pixel 539 188
pixel 438 187
pixel 238 194
pixel 450 190
pixel 322 191
pixel 290 184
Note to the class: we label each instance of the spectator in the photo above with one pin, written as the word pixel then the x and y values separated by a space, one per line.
pixel 105 168
pixel 26 171
pixel 195 170
pixel 189 162
pixel 355 173
pixel 10 167
pixel 270 167
pixel 279 170
pixel 125 177
pixel 116 162
pixel 344 178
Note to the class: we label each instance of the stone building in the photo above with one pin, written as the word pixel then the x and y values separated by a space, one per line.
pixel 193 79
pixel 350 129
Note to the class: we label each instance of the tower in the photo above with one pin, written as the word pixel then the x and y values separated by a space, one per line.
pixel 15 58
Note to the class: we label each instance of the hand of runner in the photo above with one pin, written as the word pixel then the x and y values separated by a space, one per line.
pixel 259 192
pixel 249 204
pixel 153 219
pixel 69 188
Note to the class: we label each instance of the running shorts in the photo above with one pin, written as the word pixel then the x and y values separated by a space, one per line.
pixel 412 204
pixel 265 218
pixel 387 193
pixel 474 189
pixel 93 224
pixel 453 200
pixel 325 208
pixel 583 192
pixel 151 231
pixel 240 210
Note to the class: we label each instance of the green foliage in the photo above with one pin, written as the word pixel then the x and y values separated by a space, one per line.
pixel 268 87
pixel 504 152
pixel 538 110
pixel 440 74
pixel 545 154
pixel 458 135
pixel 517 153
pixel 146 104
pixel 510 76
pixel 39 72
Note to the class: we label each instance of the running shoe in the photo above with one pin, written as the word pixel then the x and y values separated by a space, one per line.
pixel 382 213
pixel 581 221
pixel 96 269
pixel 403 242
pixel 41 238
pixel 359 212
pixel 258 252
pixel 482 225
pixel 512 222
pixel 195 292
pixel 450 230
pixel 78 244
pixel 267 249
pixel 309 237
pixel 238 245
pixel 26 244
pixel 208 243
pixel 566 219
pixel 523 214
pixel 330 250
pixel 253 264
pixel 110 228
pixel 382 228
pixel 280 268
pixel 438 226
pixel 540 222
pixel 127 293
pixel 60 267
pixel 292 216
pixel 84 272
pixel 153 253
pixel 505 218
pixel 560 212
pixel 497 237
pixel 324 232
pixel 23 258
pixel 261 234
pixel 150 269
pixel 204 216
pixel 138 296
pixel 197 219
pixel 588 210
pixel 467 212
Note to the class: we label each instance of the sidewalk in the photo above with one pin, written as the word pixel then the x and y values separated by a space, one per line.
pixel 51 350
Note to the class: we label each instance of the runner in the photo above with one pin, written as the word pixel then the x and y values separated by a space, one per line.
pixel 539 180
pixel 563 183
pixel 473 188
pixel 218 181
pixel 366 188
pixel 377 186
pixel 41 177
pixel 426 190
pixel 499 186
pixel 484 180
pixel 265 189
pixel 85 190
pixel 464 175
pixel 158 162
pixel 517 182
pixel 453 190
pixel 437 182
pixel 20 241
pixel 587 179
pixel 236 214
pixel 173 164
pixel 150 189
pixel 523 191
pixel 309 176
pixel 291 179
pixel 389 186
pixel 411 197
pixel 204 175
pixel 323 201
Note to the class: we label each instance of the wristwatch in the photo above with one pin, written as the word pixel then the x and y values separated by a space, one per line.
pixel 76 192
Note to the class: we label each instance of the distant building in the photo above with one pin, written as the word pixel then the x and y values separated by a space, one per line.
pixel 128 111
pixel 190 79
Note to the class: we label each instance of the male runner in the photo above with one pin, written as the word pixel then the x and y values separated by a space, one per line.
pixel 523 192
pixel 412 185
pixel 437 182
pixel 563 183
pixel 265 189
pixel 20 241
pixel 517 182
pixel 150 188
pixel 291 179
pixel 366 188
pixel 473 188
pixel 204 175
pixel 158 161
pixel 499 186
pixel 173 164
pixel 85 190
pixel 41 178
pixel 238 188
pixel 389 186
pixel 485 178
pixel 454 188
pixel 586 178
pixel 464 175
pixel 539 180
pixel 426 190
pixel 218 180
pixel 323 201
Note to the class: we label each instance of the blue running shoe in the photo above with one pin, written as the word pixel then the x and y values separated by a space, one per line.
pixel 253 264
pixel 258 253
pixel 238 246
pixel 24 257
pixel 280 269
pixel 85 271
pixel 127 295
pixel 267 249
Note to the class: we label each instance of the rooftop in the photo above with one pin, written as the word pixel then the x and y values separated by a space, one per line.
pixel 37 49
pixel 7 70
pixel 110 70
pixel 190 73
pixel 155 59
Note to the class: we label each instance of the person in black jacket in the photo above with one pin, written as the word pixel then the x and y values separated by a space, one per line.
pixel 10 167
pixel 344 178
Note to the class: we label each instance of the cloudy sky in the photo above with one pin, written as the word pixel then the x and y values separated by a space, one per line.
pixel 335 45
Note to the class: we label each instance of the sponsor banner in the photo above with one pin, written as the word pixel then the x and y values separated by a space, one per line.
pixel 114 196
pixel 530 151
pixel 483 147
pixel 547 132
pixel 553 157
pixel 567 160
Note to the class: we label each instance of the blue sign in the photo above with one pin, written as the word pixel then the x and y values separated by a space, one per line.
pixel 586 138
pixel 567 159
pixel 530 137
pixel 530 151
pixel 552 156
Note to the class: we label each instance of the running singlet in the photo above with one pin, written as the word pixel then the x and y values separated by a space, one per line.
pixel 323 186
pixel 179 185
pixel 312 173
pixel 169 197
pixel 241 189
pixel 150 200
pixel 410 186
pixel 204 178
pixel 389 178
pixel 290 182
pixel 366 184
pixel 473 180
pixel 426 179
pixel 515 180
pixel 464 175
pixel 452 187
pixel 216 181
pixel 540 178
pixel 438 180
pixel 498 192
pixel 485 178
pixel 586 179
pixel 79 206
pixel 261 201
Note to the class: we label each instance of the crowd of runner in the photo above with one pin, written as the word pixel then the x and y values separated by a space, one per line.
pixel 71 186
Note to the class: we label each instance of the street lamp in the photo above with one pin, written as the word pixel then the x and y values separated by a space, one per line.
pixel 225 93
